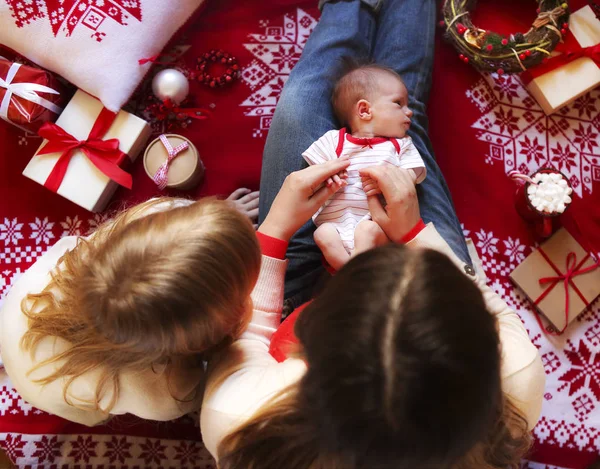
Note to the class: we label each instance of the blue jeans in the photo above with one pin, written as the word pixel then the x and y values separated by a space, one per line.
pixel 401 36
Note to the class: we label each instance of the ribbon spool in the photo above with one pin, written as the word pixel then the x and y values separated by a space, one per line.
pixel 184 171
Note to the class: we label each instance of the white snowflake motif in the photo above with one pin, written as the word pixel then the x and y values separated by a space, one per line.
pixel 10 231
pixel 42 231
pixel 487 243
pixel 6 401
pixel 514 250
pixel 466 232
pixel 94 223
pixel 71 226
pixel 523 138
pixel 276 51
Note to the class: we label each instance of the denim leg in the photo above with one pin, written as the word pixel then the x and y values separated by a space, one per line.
pixel 374 4
pixel 405 42
pixel 304 114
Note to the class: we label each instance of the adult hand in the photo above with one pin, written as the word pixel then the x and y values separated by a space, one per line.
pixel 301 195
pixel 397 185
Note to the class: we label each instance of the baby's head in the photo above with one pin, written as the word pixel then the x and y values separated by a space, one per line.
pixel 372 99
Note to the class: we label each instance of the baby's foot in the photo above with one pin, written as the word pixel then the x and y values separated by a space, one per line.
pixel 246 202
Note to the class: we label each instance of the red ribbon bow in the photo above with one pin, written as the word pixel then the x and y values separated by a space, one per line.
pixel 104 154
pixel 570 50
pixel 573 270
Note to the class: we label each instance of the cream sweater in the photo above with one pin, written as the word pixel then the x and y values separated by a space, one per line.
pixel 147 395
pixel 245 376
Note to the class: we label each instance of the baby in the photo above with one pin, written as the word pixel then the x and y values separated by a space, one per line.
pixel 372 102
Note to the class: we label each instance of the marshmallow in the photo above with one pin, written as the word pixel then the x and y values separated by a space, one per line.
pixel 550 194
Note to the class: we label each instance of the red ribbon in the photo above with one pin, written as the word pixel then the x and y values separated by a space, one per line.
pixel 194 113
pixel 104 154
pixel 570 50
pixel 154 59
pixel 573 270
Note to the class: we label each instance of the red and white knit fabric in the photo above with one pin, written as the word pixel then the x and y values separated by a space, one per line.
pixel 481 127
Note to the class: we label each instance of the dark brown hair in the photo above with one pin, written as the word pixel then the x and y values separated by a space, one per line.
pixel 356 80
pixel 403 373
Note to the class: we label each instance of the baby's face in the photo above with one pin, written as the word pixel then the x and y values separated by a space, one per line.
pixel 391 115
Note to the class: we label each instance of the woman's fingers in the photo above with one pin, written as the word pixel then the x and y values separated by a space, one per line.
pixel 373 192
pixel 378 212
pixel 322 194
pixel 314 176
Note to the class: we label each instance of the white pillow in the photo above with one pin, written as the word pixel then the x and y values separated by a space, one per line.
pixel 95 44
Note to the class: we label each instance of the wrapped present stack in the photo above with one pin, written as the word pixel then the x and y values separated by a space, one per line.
pixel 81 156
pixel 574 67
pixel 29 96
pixel 560 278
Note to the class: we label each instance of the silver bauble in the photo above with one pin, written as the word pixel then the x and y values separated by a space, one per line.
pixel 170 84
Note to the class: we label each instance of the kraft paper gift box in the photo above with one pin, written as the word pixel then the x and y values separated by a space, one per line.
pixel 557 83
pixel 88 174
pixel 560 278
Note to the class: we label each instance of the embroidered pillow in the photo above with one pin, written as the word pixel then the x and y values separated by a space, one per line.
pixel 95 44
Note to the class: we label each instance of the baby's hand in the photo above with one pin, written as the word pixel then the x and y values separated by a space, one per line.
pixel 370 186
pixel 337 178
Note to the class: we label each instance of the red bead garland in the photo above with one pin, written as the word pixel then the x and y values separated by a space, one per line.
pixel 221 57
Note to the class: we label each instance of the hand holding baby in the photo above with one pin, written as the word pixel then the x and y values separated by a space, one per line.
pixel 397 185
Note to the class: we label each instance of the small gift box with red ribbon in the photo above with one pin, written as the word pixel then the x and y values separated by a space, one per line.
pixel 560 278
pixel 82 154
pixel 574 67
pixel 29 96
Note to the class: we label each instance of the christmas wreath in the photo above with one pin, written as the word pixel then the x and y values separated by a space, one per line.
pixel 492 52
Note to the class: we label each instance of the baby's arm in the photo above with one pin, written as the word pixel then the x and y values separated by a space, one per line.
pixel 324 150
pixel 411 160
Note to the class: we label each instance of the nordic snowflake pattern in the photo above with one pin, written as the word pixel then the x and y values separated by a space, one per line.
pixel 41 231
pixel 10 231
pixel 522 137
pixel 276 51
pixel 21 243
pixel 571 410
pixel 66 15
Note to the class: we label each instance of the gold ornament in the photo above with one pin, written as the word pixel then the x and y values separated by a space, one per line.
pixel 475 37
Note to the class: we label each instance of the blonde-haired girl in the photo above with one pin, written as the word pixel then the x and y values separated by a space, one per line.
pixel 121 321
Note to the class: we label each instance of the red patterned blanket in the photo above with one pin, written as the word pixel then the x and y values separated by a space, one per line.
pixel 481 127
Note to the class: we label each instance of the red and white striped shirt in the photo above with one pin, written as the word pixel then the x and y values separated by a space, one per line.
pixel 347 207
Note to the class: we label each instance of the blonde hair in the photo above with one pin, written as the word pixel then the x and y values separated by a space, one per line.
pixel 151 287
pixel 403 372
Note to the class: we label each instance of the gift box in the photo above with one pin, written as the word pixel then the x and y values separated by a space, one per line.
pixel 29 96
pixel 573 69
pixel 173 162
pixel 81 156
pixel 560 278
